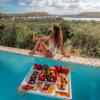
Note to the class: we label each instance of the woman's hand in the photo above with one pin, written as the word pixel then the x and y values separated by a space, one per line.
pixel 67 56
pixel 42 38
pixel 45 38
pixel 63 52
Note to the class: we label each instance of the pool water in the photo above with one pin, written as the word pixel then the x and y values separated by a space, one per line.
pixel 14 67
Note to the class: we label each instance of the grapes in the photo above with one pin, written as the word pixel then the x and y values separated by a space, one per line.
pixel 33 77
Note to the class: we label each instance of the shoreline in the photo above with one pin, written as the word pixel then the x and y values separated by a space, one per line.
pixel 81 19
pixel 74 59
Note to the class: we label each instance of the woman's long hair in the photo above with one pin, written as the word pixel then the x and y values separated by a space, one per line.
pixel 56 31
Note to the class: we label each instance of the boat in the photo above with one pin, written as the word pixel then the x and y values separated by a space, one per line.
pixel 51 81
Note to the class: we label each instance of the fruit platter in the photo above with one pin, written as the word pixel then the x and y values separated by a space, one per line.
pixel 53 81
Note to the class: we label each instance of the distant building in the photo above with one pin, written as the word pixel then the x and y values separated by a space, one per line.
pixel 49 17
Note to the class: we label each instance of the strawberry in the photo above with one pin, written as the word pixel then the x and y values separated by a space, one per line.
pixel 66 71
pixel 56 68
pixel 60 68
pixel 35 66
pixel 38 67
pixel 27 87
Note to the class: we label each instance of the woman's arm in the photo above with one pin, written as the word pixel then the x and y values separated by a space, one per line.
pixel 61 45
pixel 43 38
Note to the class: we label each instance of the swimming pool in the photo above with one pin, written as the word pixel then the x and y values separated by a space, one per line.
pixel 13 68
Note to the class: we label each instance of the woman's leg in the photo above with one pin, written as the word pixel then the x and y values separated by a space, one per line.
pixel 46 52
pixel 42 47
pixel 36 47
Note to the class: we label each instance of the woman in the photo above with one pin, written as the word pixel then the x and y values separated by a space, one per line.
pixel 55 42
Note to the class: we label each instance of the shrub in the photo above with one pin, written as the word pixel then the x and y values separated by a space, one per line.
pixel 88 44
pixel 22 35
pixel 8 36
pixel 66 30
pixel 27 42
pixel 42 29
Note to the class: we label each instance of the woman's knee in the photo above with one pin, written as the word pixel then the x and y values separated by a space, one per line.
pixel 49 54
pixel 42 42
pixel 39 41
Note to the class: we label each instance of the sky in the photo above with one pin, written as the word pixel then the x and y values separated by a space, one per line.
pixel 60 7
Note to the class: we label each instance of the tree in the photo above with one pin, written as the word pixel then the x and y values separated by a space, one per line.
pixel 13 36
pixel 66 30
pixel 88 44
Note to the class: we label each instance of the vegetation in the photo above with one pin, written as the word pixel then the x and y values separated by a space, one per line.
pixel 88 44
pixel 83 35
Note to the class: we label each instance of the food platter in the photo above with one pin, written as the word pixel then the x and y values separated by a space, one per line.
pixel 53 81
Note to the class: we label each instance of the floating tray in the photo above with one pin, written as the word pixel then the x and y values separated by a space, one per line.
pixel 55 89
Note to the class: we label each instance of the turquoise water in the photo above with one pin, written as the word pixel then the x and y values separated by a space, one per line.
pixel 13 68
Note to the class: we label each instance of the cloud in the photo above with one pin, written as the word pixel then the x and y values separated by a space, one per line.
pixel 62 6
pixel 3 2
pixel 22 4
pixel 55 6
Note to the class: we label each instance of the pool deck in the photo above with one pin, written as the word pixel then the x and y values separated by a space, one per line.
pixel 75 59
